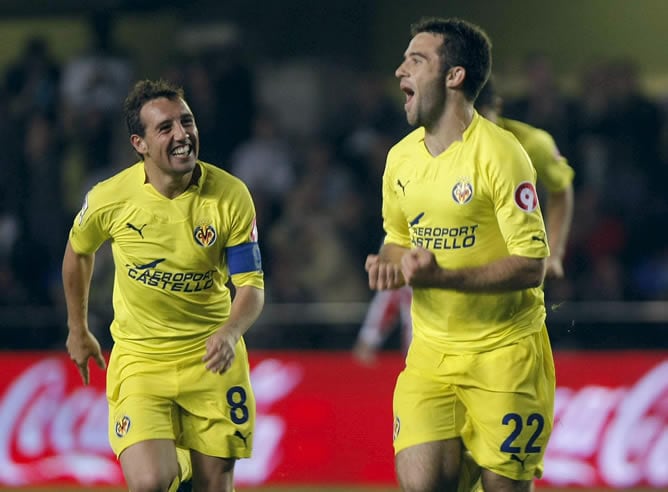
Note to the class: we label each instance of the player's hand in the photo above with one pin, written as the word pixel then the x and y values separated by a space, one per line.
pixel 383 275
pixel 419 267
pixel 220 351
pixel 554 268
pixel 364 353
pixel 82 347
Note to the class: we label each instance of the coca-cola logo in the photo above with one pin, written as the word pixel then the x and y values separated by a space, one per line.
pixel 49 434
pixel 611 436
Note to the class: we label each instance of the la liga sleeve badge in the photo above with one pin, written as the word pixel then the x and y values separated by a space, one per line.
pixel 526 197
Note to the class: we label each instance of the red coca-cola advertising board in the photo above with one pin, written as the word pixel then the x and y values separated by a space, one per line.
pixel 324 418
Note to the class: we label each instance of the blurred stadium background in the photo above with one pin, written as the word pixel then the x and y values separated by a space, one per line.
pixel 298 98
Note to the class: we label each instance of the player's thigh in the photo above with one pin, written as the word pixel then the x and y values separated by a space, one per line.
pixel 430 466
pixel 150 465
pixel 425 405
pixel 140 395
pixel 218 410
pixel 211 473
pixel 509 398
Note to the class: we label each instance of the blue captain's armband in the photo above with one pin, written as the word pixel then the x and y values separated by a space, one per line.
pixel 244 258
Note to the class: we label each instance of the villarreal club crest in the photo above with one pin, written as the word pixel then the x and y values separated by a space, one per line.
pixel 462 192
pixel 205 235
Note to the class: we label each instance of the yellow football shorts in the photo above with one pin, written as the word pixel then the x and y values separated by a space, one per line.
pixel 500 403
pixel 181 400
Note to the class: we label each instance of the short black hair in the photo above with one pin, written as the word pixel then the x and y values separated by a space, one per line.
pixel 143 92
pixel 464 44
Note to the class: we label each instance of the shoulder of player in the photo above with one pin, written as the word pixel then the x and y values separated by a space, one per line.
pixel 116 188
pixel 217 180
pixel 406 146
pixel 530 136
pixel 497 139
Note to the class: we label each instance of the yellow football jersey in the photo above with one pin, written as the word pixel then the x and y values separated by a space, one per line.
pixel 170 289
pixel 473 204
pixel 553 170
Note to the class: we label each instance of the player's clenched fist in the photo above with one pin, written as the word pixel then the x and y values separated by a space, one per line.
pixel 383 275
pixel 419 267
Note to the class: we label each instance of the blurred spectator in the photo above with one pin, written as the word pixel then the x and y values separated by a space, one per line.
pixel 544 104
pixel 93 87
pixel 619 144
pixel 619 130
pixel 370 124
pixel 200 88
pixel 234 84
pixel 327 185
pixel 372 115
pixel 266 164
pixel 13 292
pixel 33 233
pixel 217 75
pixel 10 140
pixel 41 192
pixel 32 82
pixel 310 261
pixel 312 258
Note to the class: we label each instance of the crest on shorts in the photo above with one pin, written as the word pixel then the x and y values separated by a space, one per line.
pixel 123 426
pixel 205 235
pixel 397 428
pixel 462 192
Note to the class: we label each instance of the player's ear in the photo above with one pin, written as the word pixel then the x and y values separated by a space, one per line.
pixel 138 143
pixel 454 79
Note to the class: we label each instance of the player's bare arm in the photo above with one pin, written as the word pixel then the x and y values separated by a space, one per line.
pixel 220 347
pixel 384 269
pixel 77 271
pixel 558 218
pixel 420 269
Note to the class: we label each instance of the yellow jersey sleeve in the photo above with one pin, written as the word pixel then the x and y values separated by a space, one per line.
pixel 91 225
pixel 554 172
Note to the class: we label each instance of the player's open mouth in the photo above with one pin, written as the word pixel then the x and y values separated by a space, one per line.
pixel 409 96
pixel 182 151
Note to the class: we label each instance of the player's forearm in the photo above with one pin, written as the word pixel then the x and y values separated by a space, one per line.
pixel 507 274
pixel 77 271
pixel 246 308
pixel 559 216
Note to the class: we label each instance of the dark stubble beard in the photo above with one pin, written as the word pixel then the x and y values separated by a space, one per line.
pixel 433 103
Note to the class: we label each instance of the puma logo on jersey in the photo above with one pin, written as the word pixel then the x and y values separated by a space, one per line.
pixel 238 434
pixel 402 186
pixel 518 459
pixel 138 230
